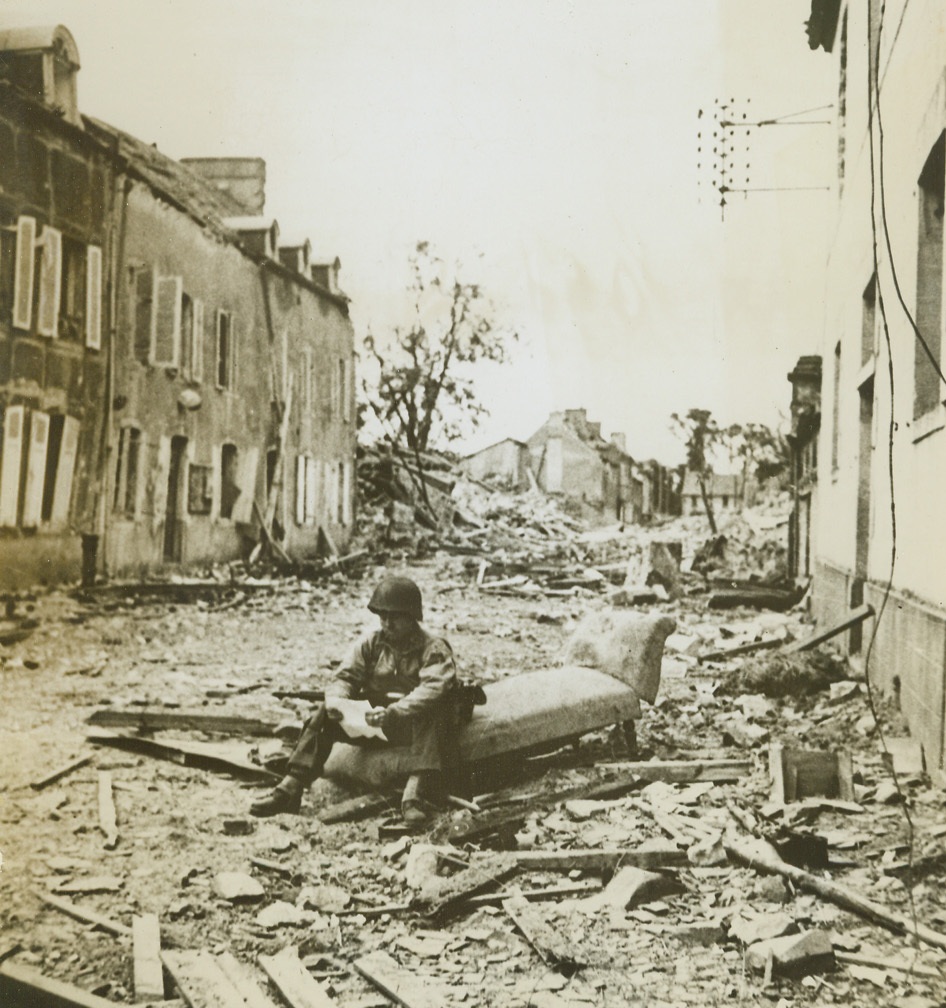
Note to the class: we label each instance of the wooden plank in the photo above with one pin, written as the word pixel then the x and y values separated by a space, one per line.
pixel 201 980
pixel 508 821
pixel 686 771
pixel 293 980
pixel 582 888
pixel 203 756
pixel 722 654
pixel 762 857
pixel 84 915
pixel 398 984
pixel 597 860
pixel 854 617
pixel 246 983
pixel 23 985
pixel 108 819
pixel 355 809
pixel 148 971
pixel 160 718
pixel 61 772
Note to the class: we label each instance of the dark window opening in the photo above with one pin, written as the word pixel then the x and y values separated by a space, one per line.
pixel 53 450
pixel 72 298
pixel 199 489
pixel 869 320
pixel 126 471
pixel 229 480
pixel 224 350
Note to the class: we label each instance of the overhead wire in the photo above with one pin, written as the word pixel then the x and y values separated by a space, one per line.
pixel 878 201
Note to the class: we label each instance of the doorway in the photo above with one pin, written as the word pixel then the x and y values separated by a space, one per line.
pixel 173 525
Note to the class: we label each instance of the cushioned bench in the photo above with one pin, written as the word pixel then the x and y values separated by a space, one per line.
pixel 613 663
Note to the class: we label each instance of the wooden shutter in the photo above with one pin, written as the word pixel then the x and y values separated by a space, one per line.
pixel 93 298
pixel 216 480
pixel 197 337
pixel 333 482
pixel 243 509
pixel 234 353
pixel 159 495
pixel 62 493
pixel 301 469
pixel 144 313
pixel 10 464
pixel 166 348
pixel 50 282
pixel 35 469
pixel 23 272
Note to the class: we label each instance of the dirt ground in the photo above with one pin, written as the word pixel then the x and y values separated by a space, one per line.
pixel 229 652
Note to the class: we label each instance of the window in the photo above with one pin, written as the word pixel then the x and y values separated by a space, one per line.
pixel 50 282
pixel 229 479
pixel 307 389
pixel 166 328
pixel 127 467
pixel 226 351
pixel 345 472
pixel 73 301
pixel 36 467
pixel 142 279
pixel 199 489
pixel 929 281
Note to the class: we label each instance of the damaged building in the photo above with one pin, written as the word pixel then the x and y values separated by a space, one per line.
pixel 175 381
pixel 883 416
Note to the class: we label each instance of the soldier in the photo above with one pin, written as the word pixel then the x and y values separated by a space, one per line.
pixel 409 677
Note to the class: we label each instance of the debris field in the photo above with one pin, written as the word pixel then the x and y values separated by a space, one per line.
pixel 759 843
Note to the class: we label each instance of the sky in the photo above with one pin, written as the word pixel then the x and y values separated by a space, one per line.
pixel 549 147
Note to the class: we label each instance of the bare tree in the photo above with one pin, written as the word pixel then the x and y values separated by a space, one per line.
pixel 698 431
pixel 423 389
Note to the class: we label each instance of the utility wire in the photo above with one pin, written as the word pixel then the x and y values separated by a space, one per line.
pixel 877 192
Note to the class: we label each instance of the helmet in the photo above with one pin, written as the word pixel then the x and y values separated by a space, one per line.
pixel 397 595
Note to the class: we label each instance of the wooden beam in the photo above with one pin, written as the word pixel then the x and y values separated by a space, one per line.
pixel 400 985
pixel 763 857
pixel 245 981
pixel 201 980
pixel 597 860
pixel 108 819
pixel 854 617
pixel 23 985
pixel 66 768
pixel 202 755
pixel 740 649
pixel 447 893
pixel 86 916
pixel 146 945
pixel 159 719
pixel 293 980
pixel 686 771
pixel 354 809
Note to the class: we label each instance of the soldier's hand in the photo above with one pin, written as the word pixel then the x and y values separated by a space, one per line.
pixel 375 717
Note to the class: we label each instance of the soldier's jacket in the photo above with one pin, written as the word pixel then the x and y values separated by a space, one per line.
pixel 424 671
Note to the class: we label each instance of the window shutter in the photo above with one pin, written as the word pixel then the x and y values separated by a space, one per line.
pixel 301 468
pixel 159 495
pixel 243 509
pixel 333 491
pixel 50 282
pixel 10 464
pixel 35 469
pixel 93 298
pixel 144 313
pixel 311 490
pixel 197 350
pixel 23 273
pixel 166 348
pixel 67 462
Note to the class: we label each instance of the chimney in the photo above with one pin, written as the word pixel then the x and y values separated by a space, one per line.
pixel 620 441
pixel 241 181
pixel 594 431
pixel 43 63
pixel 577 417
pixel 325 273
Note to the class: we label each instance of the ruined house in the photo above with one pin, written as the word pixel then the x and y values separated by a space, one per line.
pixel 803 461
pixel 505 464
pixel 723 489
pixel 173 379
pixel 597 477
pixel 883 441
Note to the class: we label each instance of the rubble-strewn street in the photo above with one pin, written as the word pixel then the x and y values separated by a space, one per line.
pixel 586 878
